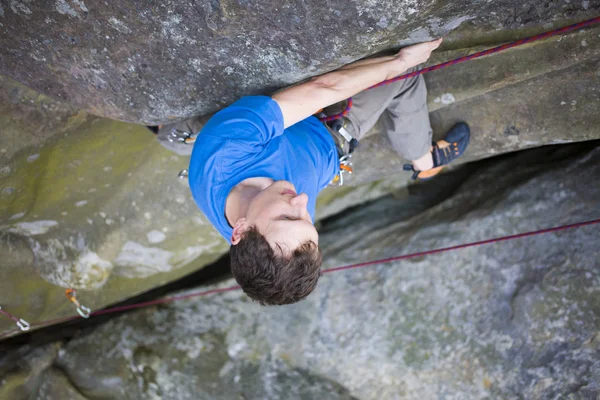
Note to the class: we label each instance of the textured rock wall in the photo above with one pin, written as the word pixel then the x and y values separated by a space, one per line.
pixel 516 319
pixel 94 204
pixel 88 203
pixel 151 62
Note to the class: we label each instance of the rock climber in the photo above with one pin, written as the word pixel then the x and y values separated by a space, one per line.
pixel 258 165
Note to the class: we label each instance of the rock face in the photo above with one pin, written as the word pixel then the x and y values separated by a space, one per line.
pixel 149 62
pixel 95 204
pixel 516 319
pixel 88 203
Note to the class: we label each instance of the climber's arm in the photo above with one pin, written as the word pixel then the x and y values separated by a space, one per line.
pixel 303 100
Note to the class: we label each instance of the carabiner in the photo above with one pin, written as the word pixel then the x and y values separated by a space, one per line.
pixel 21 323
pixel 84 311
pixel 183 174
pixel 177 135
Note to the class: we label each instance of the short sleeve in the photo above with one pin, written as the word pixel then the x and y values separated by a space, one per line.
pixel 251 122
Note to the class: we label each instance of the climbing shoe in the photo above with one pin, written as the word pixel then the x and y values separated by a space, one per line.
pixel 445 151
pixel 179 137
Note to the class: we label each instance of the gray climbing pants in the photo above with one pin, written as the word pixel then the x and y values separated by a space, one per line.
pixel 400 109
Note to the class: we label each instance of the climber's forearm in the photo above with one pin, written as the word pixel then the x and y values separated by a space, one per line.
pixel 367 61
pixel 300 101
pixel 303 100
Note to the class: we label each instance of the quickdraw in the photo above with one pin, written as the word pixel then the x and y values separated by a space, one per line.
pixel 345 168
pixel 81 309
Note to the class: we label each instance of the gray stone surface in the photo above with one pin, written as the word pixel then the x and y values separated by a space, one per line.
pixel 517 319
pixel 94 204
pixel 152 62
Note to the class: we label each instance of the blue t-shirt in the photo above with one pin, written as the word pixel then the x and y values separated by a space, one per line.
pixel 247 140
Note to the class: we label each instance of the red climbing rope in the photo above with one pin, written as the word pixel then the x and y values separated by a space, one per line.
pixel 483 53
pixel 327 271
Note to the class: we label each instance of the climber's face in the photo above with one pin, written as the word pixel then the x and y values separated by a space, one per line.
pixel 281 216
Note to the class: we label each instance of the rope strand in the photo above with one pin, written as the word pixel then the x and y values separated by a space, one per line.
pixel 327 271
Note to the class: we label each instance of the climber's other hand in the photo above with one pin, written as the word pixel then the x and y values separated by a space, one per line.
pixel 417 53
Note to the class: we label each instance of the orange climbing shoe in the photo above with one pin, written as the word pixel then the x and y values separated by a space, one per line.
pixel 445 151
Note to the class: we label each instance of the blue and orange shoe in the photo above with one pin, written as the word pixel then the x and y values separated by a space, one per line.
pixel 445 151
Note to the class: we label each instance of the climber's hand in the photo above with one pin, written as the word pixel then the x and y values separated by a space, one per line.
pixel 418 53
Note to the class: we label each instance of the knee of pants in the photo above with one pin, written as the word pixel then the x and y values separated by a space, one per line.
pixel 412 98
pixel 410 136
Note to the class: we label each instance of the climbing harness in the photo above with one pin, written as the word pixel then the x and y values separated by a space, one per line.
pixel 327 271
pixel 479 54
pixel 345 145
pixel 81 309
pixel 21 323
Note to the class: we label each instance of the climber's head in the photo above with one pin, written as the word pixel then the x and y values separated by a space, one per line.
pixel 275 255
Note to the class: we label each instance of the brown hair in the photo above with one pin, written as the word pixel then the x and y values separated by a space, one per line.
pixel 271 278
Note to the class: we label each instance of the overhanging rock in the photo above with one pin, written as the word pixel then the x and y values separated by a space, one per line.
pixel 149 62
